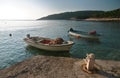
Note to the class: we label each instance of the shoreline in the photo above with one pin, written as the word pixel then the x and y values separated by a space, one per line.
pixel 59 67
pixel 100 19
pixel 90 19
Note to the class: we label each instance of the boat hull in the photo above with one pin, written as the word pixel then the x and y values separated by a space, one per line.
pixel 78 35
pixel 57 47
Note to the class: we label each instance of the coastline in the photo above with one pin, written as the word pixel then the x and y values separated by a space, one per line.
pixel 90 19
pixel 102 19
pixel 59 67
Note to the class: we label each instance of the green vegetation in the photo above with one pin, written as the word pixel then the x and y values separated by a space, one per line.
pixel 69 15
pixel 83 15
pixel 109 14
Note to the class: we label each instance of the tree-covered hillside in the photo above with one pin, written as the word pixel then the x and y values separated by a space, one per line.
pixel 109 14
pixel 83 15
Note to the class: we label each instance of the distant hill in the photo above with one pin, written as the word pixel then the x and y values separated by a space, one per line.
pixel 109 14
pixel 83 15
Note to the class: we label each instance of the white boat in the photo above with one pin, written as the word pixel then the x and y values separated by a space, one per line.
pixel 81 34
pixel 39 42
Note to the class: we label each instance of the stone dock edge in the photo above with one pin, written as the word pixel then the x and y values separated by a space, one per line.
pixel 60 67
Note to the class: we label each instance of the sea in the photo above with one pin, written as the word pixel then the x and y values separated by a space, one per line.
pixel 13 49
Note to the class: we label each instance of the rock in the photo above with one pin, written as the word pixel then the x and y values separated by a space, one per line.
pixel 59 67
pixel 90 61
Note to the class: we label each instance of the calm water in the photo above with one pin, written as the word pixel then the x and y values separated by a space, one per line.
pixel 13 49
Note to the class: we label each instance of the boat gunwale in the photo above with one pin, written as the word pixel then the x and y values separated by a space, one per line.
pixel 50 45
pixel 74 33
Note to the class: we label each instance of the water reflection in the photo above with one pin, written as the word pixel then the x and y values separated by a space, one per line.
pixel 97 41
pixel 36 51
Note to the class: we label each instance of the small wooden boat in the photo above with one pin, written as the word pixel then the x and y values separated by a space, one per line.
pixel 82 34
pixel 48 44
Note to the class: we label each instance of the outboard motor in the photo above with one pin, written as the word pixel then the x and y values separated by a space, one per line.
pixel 71 29
pixel 28 35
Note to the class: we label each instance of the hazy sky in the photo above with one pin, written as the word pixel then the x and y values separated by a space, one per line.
pixel 34 9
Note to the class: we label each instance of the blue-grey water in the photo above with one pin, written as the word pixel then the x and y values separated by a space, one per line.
pixel 13 49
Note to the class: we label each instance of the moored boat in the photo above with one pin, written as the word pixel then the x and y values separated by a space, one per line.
pixel 49 44
pixel 82 34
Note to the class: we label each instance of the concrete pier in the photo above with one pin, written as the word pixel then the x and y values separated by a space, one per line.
pixel 60 67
